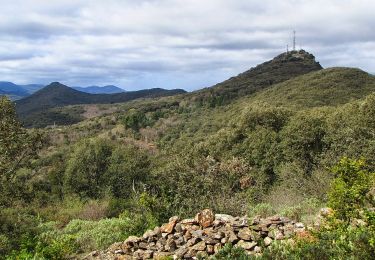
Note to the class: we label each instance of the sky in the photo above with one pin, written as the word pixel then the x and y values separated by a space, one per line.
pixel 186 44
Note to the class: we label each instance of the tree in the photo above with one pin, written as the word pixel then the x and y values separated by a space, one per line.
pixel 85 170
pixel 17 145
pixel 128 167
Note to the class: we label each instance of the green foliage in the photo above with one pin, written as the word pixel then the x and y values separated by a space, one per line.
pixel 135 120
pixel 128 169
pixel 303 138
pixel 17 147
pixel 263 210
pixel 338 243
pixel 229 252
pixel 349 189
pixel 85 171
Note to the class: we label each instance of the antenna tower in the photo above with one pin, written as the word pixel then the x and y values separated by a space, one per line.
pixel 294 40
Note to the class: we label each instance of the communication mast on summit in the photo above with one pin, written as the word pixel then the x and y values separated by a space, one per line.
pixel 294 40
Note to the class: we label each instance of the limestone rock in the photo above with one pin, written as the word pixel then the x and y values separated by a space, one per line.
pixel 267 241
pixel 168 227
pixel 245 234
pixel 246 245
pixel 199 246
pixel 205 218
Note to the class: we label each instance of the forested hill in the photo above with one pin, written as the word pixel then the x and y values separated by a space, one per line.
pixel 59 95
pixel 285 138
pixel 283 67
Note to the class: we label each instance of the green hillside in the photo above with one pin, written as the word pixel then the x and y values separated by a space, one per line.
pixel 264 148
pixel 328 87
pixel 279 69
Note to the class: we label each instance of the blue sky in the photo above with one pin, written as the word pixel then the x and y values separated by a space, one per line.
pixel 186 44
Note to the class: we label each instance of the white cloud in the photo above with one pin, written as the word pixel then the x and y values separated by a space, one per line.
pixel 174 43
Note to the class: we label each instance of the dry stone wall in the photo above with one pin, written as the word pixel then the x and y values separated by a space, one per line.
pixel 203 235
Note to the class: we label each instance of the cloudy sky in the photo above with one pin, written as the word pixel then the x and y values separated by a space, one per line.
pixel 174 43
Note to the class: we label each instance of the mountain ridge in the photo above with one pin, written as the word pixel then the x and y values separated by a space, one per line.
pixel 281 68
pixel 57 95
pixel 108 89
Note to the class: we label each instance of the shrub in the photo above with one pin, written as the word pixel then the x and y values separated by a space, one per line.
pixel 263 210
pixel 229 252
pixel 349 189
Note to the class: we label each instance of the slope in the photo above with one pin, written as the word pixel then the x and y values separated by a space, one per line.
pixel 36 106
pixel 283 67
pixel 328 87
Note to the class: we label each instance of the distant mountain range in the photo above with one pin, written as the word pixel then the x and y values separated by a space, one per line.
pixel 16 92
pixel 56 95
pixel 109 89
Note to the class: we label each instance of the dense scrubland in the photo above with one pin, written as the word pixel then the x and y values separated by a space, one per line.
pixel 289 146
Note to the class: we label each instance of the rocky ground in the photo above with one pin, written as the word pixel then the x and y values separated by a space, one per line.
pixel 203 235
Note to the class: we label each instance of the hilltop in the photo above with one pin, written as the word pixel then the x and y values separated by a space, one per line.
pixel 281 68
pixel 326 87
pixel 36 106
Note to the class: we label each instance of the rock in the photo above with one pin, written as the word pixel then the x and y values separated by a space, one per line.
pixel 143 254
pixel 179 240
pixel 211 241
pixel 217 248
pixel 246 245
pixel 299 225
pixel 119 252
pixel 204 236
pixel 279 235
pixel 197 233
pixel 267 241
pixel 257 249
pixel 132 240
pixel 326 212
pixel 178 227
pixel 143 245
pixel 199 246
pixel 205 218
pixel 245 234
pixel 190 254
pixel 189 221
pixel 232 238
pixel 192 241
pixel 161 255
pixel 168 228
pixel 288 230
pixel 224 218
pixel 210 249
pixel 171 245
pixel 219 235
pixel 179 253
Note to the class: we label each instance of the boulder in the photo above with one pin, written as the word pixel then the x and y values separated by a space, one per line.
pixel 205 218
pixel 168 227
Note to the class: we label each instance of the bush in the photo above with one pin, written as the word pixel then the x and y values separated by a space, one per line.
pixel 229 252
pixel 263 210
pixel 349 190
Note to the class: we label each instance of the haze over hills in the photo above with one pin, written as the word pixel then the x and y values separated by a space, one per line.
pixel 15 91
pixel 12 90
pixel 109 89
